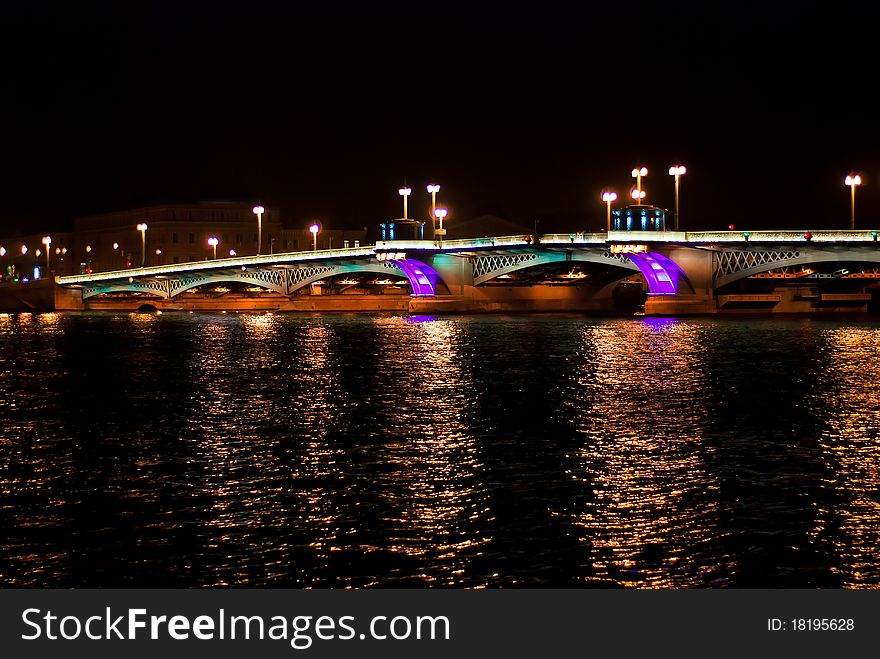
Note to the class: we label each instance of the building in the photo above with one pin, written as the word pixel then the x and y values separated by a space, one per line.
pixel 638 217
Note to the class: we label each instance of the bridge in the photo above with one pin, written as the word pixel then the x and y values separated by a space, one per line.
pixel 680 272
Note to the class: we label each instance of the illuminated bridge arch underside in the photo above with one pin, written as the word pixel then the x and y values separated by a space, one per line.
pixel 492 266
pixel 285 281
pixel 731 266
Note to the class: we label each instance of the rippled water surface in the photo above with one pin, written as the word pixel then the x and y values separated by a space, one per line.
pixel 348 451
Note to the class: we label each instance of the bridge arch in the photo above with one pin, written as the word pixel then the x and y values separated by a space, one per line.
pixel 491 266
pixel 732 265
pixel 285 281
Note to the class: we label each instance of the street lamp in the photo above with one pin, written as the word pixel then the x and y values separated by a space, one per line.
pixel 637 175
pixel 212 241
pixel 258 211
pixel 315 229
pixel 638 195
pixel 609 197
pixel 677 171
pixel 852 181
pixel 433 188
pixel 404 192
pixel 143 229
pixel 47 240
pixel 441 213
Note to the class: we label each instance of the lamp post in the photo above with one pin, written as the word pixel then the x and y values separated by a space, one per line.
pixel 47 240
pixel 608 197
pixel 677 171
pixel 404 192
pixel 637 175
pixel 258 211
pixel 638 195
pixel 433 188
pixel 852 181
pixel 315 229
pixel 212 241
pixel 441 213
pixel 143 229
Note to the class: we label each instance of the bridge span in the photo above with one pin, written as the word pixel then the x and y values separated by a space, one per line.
pixel 679 273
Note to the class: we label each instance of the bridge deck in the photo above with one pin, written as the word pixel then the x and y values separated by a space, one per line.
pixel 684 238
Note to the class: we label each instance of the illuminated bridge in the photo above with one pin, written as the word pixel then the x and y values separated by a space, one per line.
pixel 680 272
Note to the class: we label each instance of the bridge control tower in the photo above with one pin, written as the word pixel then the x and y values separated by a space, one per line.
pixel 402 229
pixel 638 217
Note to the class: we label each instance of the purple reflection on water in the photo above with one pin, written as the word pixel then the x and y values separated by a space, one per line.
pixel 661 273
pixel 422 278
pixel 659 324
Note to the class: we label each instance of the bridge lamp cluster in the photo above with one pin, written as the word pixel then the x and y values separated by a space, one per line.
pixel 440 214
pixel 142 227
pixel 405 193
pixel 637 173
pixel 314 229
pixel 433 189
pixel 213 242
pixel 45 240
pixel 258 211
pixel 608 198
pixel 852 181
pixel 677 171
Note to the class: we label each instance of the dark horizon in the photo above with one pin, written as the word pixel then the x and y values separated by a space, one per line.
pixel 528 117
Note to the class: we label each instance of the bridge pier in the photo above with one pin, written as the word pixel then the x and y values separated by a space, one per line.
pixel 696 294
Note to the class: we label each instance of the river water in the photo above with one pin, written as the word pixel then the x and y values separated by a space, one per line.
pixel 195 450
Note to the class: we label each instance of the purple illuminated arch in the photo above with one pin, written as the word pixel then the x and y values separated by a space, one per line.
pixel 422 278
pixel 661 273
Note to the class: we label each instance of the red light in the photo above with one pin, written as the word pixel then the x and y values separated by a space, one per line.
pixel 808 235
pixel 731 227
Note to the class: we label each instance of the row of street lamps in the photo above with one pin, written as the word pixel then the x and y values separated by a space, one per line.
pixel 852 180
pixel 638 194
pixel 436 213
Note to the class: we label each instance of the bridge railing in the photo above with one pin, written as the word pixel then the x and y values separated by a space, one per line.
pixel 217 264
pixel 787 236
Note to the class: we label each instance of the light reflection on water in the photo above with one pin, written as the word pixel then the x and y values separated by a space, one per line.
pixel 851 443
pixel 637 400
pixel 351 451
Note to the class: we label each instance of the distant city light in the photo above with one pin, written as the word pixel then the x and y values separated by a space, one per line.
pixel 23 250
pixel 2 251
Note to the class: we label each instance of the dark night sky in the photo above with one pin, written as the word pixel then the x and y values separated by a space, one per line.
pixel 526 114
